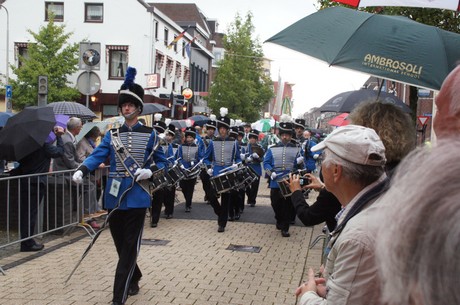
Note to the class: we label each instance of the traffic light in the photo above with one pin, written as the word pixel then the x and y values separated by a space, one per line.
pixel 42 84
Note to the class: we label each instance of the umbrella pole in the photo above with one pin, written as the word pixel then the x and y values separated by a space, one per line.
pixel 380 89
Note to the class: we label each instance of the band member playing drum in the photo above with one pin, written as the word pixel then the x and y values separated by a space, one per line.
pixel 236 196
pixel 159 199
pixel 222 154
pixel 211 127
pixel 171 155
pixel 253 158
pixel 190 154
pixel 125 198
pixel 243 150
pixel 280 160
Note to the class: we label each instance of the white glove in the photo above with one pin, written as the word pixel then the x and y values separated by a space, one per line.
pixel 77 177
pixel 142 174
pixel 242 157
pixel 249 159
pixel 255 156
pixel 315 156
pixel 162 136
pixel 182 166
pixel 300 160
pixel 210 171
pixel 273 176
pixel 233 166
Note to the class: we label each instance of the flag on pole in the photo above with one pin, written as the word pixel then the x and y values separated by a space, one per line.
pixel 178 37
pixel 188 47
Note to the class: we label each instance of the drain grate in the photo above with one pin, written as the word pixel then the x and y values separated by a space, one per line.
pixel 154 242
pixel 241 248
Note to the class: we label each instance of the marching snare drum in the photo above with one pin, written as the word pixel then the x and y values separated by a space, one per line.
pixel 175 174
pixel 158 180
pixel 283 183
pixel 226 181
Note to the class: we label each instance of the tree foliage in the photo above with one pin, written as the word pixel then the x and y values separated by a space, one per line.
pixel 48 55
pixel 240 83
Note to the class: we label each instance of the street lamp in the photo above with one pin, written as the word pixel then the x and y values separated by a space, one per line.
pixel 8 105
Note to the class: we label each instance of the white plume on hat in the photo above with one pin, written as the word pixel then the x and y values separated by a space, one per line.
pixel 232 122
pixel 238 122
pixel 212 117
pixel 188 123
pixel 157 117
pixel 167 121
pixel 285 118
pixel 253 126
pixel 223 111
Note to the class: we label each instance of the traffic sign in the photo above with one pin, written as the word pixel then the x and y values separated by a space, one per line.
pixel 9 91
pixel 423 119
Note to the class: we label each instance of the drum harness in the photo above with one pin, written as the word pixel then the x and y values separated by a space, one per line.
pixel 131 166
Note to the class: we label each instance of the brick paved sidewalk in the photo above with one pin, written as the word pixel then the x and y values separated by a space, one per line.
pixel 187 263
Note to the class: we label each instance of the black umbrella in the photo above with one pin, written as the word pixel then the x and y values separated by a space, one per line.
pixel 26 132
pixel 199 119
pixel 347 101
pixel 179 123
pixel 150 108
pixel 4 116
pixel 72 109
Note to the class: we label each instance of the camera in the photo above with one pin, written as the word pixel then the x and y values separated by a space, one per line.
pixel 304 181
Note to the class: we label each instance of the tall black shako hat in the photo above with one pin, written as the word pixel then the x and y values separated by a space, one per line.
pixel 171 128
pixel 285 125
pixel 253 133
pixel 299 123
pixel 223 121
pixel 130 92
pixel 159 125
pixel 212 122
pixel 190 131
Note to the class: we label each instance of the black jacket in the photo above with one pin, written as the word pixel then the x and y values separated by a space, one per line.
pixel 324 209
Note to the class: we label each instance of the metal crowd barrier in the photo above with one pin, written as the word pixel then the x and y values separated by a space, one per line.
pixel 61 204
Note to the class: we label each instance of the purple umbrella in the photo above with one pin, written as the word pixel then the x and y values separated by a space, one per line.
pixel 61 120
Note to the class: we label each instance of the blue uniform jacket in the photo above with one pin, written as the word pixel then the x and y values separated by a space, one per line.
pixel 269 161
pixel 210 159
pixel 195 158
pixel 142 140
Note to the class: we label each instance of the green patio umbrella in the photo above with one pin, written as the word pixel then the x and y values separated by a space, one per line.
pixel 390 47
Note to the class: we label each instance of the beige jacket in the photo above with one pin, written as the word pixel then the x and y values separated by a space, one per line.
pixel 351 270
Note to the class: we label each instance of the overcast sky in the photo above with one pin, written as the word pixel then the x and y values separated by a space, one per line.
pixel 315 82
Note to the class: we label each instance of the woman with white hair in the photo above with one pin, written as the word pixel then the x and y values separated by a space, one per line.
pixel 418 250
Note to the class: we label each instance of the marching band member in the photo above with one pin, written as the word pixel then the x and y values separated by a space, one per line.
pixel 159 199
pixel 236 196
pixel 299 128
pixel 243 151
pixel 130 148
pixel 190 154
pixel 211 127
pixel 171 155
pixel 221 154
pixel 253 158
pixel 280 160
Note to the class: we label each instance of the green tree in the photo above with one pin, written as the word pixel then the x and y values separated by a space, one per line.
pixel 48 55
pixel 443 19
pixel 240 83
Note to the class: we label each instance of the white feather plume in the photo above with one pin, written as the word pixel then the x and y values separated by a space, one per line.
pixel 167 121
pixel 157 117
pixel 253 126
pixel 285 118
pixel 232 122
pixel 212 117
pixel 238 122
pixel 188 123
pixel 223 111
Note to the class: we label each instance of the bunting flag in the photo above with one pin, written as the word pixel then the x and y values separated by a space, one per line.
pixel 178 37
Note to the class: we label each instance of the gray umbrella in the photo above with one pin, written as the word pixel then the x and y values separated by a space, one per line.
pixel 150 108
pixel 72 109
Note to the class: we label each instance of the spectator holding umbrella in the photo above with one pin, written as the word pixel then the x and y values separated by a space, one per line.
pixel 36 162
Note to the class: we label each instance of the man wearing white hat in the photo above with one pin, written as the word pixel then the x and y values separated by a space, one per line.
pixel 353 170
